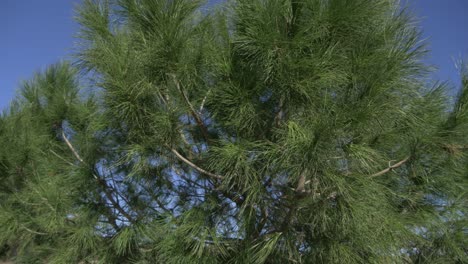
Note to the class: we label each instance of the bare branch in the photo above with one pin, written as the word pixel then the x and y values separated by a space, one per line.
pixel 390 167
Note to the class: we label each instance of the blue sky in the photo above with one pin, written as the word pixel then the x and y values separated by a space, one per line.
pixel 36 33
pixel 444 23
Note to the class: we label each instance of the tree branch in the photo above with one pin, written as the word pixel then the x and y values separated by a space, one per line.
pixel 204 100
pixel 262 223
pixel 33 232
pixel 70 146
pixel 184 177
pixel 391 167
pixel 235 198
pixel 100 181
pixel 299 193
pixel 191 164
pixel 280 114
pixel 114 203
pixel 192 110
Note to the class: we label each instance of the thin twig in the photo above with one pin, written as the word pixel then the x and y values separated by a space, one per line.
pixel 391 167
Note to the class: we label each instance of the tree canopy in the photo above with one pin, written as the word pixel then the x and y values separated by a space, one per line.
pixel 256 131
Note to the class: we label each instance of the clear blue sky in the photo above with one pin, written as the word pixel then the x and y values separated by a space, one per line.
pixel 36 33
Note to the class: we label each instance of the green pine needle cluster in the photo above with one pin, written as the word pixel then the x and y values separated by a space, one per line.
pixel 257 131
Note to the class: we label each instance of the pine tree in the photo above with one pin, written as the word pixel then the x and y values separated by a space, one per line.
pixel 259 131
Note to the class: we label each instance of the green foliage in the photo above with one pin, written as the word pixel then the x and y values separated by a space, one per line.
pixel 263 131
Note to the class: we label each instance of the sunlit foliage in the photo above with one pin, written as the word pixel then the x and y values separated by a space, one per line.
pixel 256 131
